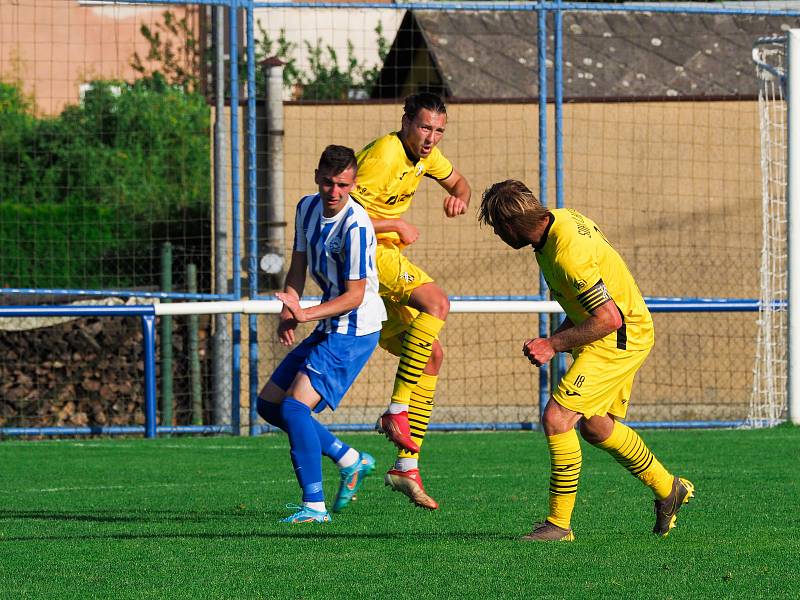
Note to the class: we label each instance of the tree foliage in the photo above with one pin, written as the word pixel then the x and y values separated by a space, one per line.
pixel 326 79
pixel 175 50
pixel 103 182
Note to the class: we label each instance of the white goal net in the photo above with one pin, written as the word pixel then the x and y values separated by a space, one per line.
pixel 768 405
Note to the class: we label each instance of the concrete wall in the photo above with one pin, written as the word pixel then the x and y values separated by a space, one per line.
pixel 54 46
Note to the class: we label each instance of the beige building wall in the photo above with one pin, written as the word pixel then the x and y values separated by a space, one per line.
pixel 54 46
pixel 676 188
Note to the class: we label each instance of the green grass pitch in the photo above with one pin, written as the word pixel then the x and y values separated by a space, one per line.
pixel 198 518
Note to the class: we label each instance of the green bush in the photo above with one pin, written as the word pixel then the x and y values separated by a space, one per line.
pixel 59 245
pixel 110 179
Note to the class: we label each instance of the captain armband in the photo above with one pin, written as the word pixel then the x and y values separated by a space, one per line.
pixel 595 296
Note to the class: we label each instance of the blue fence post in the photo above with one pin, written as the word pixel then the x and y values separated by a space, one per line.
pixel 236 321
pixel 149 331
pixel 252 251
pixel 544 379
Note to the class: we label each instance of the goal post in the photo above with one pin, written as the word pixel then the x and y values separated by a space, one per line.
pixel 776 385
pixel 792 196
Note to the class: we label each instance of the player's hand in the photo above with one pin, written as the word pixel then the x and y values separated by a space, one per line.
pixel 407 232
pixel 292 303
pixel 538 351
pixel 454 206
pixel 286 329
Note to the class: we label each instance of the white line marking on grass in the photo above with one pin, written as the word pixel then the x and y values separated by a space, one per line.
pixel 117 445
pixel 100 488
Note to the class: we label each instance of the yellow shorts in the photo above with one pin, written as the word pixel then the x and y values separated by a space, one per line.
pixel 599 381
pixel 398 277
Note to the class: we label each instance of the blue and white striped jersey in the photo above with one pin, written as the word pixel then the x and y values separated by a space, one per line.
pixel 338 249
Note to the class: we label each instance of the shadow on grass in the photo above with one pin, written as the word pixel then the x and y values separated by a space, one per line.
pixel 322 533
pixel 263 521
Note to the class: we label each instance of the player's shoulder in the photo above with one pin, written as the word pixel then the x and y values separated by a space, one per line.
pixel 308 200
pixel 381 148
pixel 572 237
pixel 356 212
pixel 307 203
pixel 569 223
pixel 436 154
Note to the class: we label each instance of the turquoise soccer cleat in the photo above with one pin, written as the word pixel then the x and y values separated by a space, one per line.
pixel 306 515
pixel 351 480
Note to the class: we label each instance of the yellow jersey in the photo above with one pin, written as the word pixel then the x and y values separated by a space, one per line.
pixel 388 175
pixel 583 271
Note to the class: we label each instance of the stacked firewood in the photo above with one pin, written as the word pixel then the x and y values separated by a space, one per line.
pixel 83 372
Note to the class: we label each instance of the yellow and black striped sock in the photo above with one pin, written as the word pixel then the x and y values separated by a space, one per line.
pixel 417 347
pixel 419 411
pixel 565 469
pixel 629 450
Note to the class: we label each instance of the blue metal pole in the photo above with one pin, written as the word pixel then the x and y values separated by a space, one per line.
pixel 236 350
pixel 252 254
pixel 236 376
pixel 544 379
pixel 149 342
pixel 77 311
pixel 558 91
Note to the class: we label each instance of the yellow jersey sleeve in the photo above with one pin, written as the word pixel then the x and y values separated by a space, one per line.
pixel 437 166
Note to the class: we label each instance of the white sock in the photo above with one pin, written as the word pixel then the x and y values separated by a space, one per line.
pixel 349 459
pixel 318 506
pixel 396 408
pixel 405 464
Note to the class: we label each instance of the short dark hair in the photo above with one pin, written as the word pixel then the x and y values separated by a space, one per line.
pixel 337 159
pixel 429 100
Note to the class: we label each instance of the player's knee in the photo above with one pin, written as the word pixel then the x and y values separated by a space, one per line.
pixel 440 307
pixel 432 300
pixel 556 419
pixel 270 412
pixel 551 421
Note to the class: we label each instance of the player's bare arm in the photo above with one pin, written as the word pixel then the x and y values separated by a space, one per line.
pixel 295 283
pixel 408 232
pixel 604 319
pixel 352 298
pixel 565 324
pixel 457 186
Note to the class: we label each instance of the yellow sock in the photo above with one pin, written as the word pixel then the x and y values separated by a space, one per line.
pixel 417 347
pixel 629 450
pixel 565 469
pixel 420 407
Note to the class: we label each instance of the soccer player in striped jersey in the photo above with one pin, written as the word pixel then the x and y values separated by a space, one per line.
pixel 608 330
pixel 334 241
pixel 390 169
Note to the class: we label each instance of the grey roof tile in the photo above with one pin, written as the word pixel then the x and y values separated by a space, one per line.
pixel 612 54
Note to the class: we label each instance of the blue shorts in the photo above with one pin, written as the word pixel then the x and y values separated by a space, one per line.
pixel 332 362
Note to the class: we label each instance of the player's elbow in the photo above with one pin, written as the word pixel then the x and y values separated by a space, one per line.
pixel 355 298
pixel 614 321
pixel 609 317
